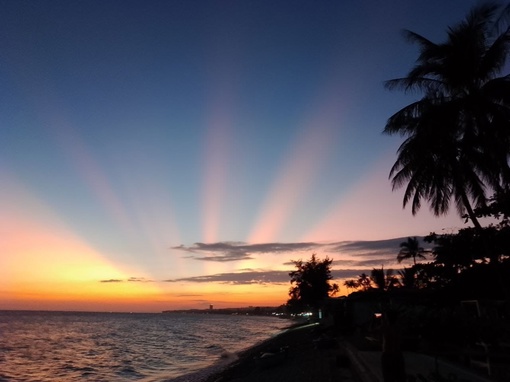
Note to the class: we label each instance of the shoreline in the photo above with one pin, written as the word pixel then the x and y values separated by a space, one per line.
pixel 310 353
pixel 229 364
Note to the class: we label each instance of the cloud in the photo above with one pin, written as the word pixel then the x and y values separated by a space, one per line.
pixel 261 277
pixel 350 258
pixel 131 279
pixel 139 280
pixel 235 251
pixel 246 277
pixel 375 247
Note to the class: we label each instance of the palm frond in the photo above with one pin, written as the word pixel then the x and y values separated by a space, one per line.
pixel 495 57
pixel 457 136
pixel 415 84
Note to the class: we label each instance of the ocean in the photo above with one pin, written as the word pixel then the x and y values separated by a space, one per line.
pixel 79 346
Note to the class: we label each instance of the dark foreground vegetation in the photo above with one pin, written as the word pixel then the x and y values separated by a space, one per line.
pixel 453 301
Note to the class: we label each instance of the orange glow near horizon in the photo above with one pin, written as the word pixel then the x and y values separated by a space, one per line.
pixel 49 268
pixel 52 265
pixel 42 262
pixel 44 266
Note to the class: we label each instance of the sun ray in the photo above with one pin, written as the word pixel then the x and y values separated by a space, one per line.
pixel 216 168
pixel 222 91
pixel 311 149
pixel 81 157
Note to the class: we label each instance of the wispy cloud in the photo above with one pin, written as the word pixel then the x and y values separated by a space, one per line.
pixel 261 277
pixel 240 278
pixel 131 279
pixel 235 251
pixel 368 247
pixel 350 258
pixel 139 280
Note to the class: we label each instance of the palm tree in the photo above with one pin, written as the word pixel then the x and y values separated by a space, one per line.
pixel 457 136
pixel 410 249
pixel 351 284
pixel 408 277
pixel 383 280
pixel 364 281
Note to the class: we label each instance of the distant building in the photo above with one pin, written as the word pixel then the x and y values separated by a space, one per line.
pixel 211 307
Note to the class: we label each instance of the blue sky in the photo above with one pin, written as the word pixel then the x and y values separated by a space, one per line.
pixel 138 127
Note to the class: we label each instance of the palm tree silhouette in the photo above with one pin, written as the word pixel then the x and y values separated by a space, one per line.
pixel 364 281
pixel 457 140
pixel 408 278
pixel 410 249
pixel 383 280
pixel 351 284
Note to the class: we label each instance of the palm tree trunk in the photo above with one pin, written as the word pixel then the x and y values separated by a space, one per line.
pixel 471 213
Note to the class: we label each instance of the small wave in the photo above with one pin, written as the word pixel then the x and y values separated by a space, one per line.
pixel 84 369
pixel 129 372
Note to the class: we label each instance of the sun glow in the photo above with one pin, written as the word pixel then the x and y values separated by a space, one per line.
pixel 42 261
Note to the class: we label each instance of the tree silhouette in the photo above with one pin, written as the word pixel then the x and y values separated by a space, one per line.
pixel 383 280
pixel 378 279
pixel 410 249
pixel 408 278
pixel 311 282
pixel 351 284
pixel 362 282
pixel 457 140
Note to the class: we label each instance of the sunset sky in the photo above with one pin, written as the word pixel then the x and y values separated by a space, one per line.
pixel 175 154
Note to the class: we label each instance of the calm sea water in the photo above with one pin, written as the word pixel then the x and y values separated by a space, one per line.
pixel 69 346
